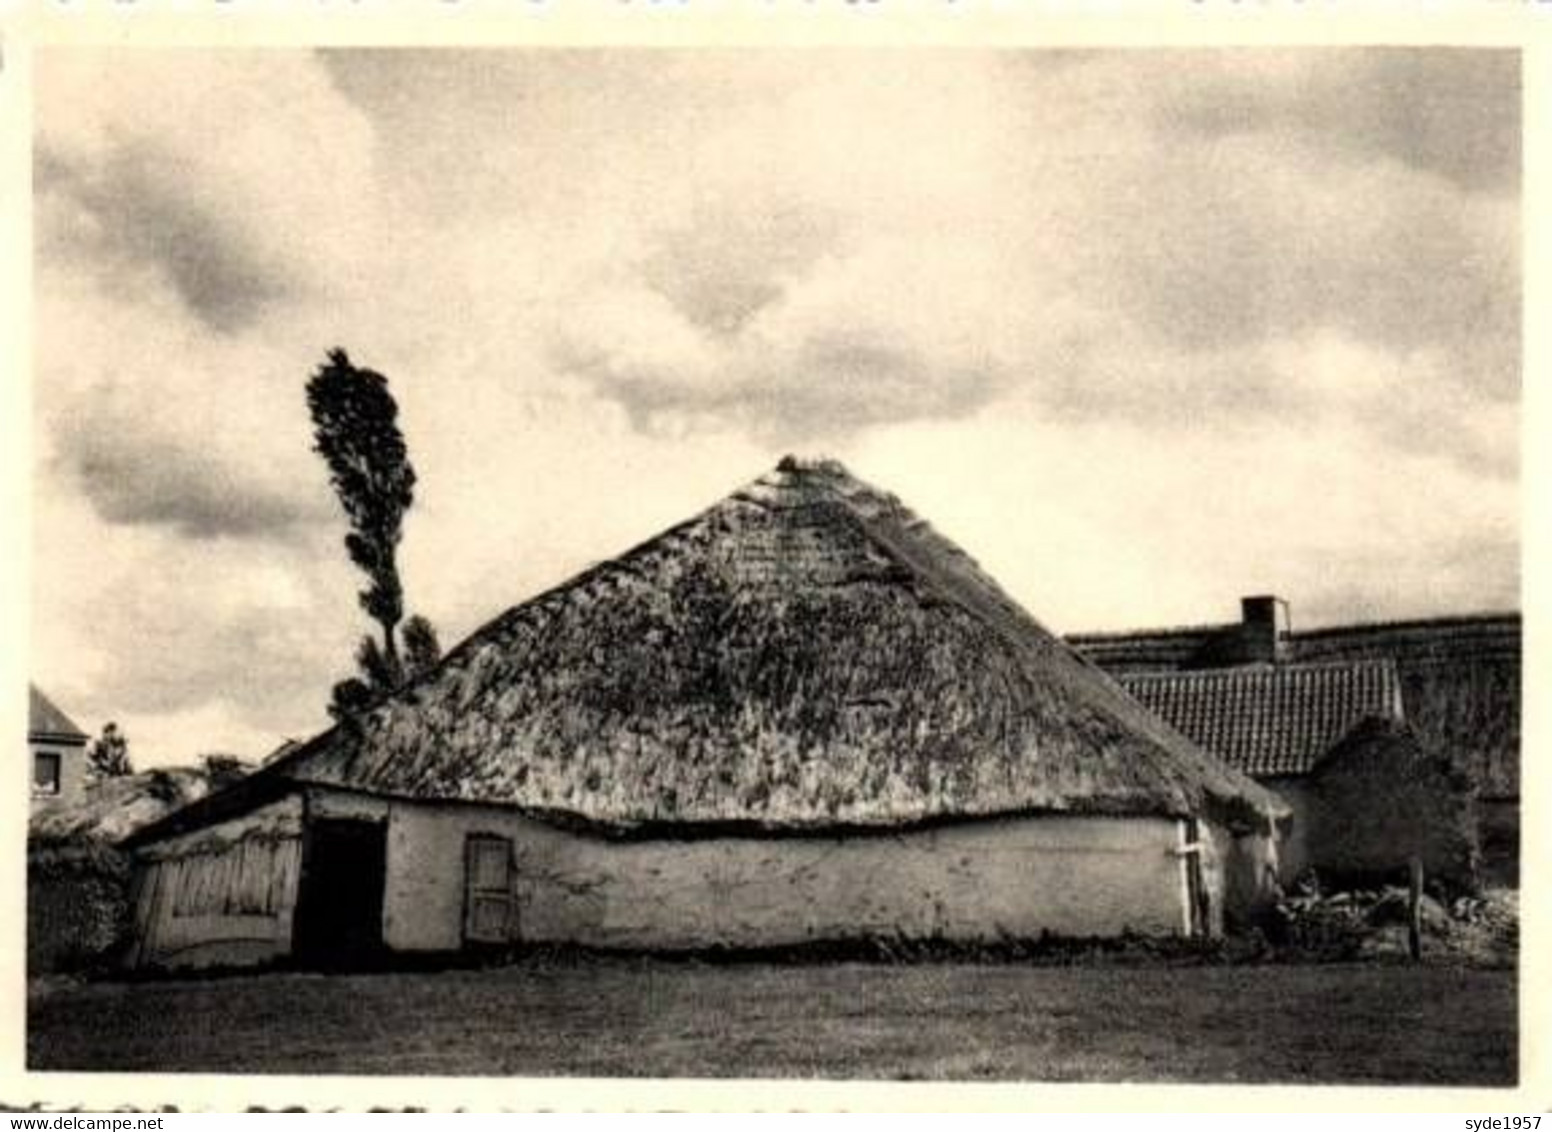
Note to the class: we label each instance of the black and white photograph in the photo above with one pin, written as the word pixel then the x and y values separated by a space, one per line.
pixel 827 563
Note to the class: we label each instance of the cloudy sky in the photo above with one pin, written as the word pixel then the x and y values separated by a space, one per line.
pixel 1143 331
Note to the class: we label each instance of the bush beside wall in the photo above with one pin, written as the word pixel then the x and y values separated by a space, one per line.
pixel 78 906
pixel 1379 797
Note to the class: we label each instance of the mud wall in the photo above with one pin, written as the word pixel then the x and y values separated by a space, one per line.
pixel 1074 876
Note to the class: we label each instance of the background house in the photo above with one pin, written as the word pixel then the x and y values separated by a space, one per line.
pixel 800 716
pixel 1274 702
pixel 56 750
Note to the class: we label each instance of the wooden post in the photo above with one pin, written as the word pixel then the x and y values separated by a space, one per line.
pixel 1415 907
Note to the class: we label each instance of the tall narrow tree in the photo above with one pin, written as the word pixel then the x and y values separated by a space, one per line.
pixel 355 426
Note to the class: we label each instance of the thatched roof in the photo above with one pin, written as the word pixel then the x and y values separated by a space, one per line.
pixel 806 653
pixel 1387 746
pixel 113 808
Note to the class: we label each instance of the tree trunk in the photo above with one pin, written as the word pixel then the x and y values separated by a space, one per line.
pixel 391 654
pixel 1415 907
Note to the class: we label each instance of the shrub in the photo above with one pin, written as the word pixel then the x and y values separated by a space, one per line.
pixel 78 908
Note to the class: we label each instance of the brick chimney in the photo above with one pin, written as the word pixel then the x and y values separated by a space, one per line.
pixel 1263 628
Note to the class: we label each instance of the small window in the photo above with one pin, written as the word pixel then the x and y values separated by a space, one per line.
pixel 45 773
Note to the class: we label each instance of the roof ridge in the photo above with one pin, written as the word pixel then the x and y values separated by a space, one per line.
pixel 1164 631
pixel 1096 636
pixel 1411 622
pixel 1245 671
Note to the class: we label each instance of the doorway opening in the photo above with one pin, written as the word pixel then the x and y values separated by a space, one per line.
pixel 339 907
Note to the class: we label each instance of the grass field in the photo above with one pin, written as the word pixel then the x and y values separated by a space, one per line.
pixel 1348 1024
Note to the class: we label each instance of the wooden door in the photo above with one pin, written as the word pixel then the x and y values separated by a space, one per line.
pixel 487 908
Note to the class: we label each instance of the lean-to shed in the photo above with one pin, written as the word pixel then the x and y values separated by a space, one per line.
pixel 801 715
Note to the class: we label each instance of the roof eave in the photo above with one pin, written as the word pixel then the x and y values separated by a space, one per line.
pixel 66 738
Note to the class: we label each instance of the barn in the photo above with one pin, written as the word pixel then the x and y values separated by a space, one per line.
pixel 801 715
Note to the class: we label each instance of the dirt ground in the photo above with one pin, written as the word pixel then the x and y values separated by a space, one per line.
pixel 1358 1023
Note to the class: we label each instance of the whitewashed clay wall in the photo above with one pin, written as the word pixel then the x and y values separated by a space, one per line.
pixel 226 895
pixel 220 896
pixel 1296 853
pixel 1074 876
pixel 1246 880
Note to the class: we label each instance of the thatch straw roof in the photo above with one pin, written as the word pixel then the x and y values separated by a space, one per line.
pixel 114 808
pixel 806 653
pixel 1385 745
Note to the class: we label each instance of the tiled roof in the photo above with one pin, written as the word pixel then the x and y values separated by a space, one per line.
pixel 45 720
pixel 1460 676
pixel 1271 720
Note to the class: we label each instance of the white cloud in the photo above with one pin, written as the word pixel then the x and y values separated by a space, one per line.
pixel 1110 525
pixel 223 176
pixel 1138 355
